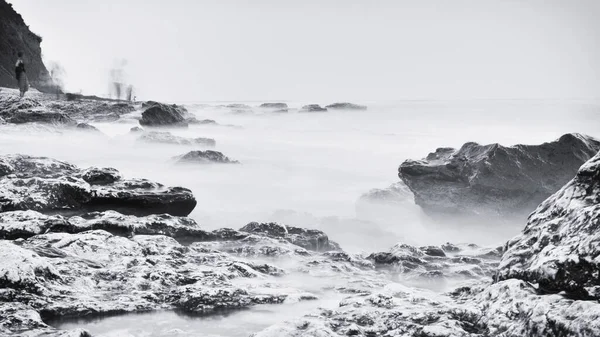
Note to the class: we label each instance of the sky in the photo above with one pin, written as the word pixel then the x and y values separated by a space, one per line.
pixel 324 50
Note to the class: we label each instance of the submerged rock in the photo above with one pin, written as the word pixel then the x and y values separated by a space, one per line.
pixel 48 185
pixel 168 138
pixel 86 127
pixel 136 129
pixel 274 106
pixel 493 180
pixel 560 245
pixel 159 114
pixel 312 108
pixel 346 106
pixel 204 157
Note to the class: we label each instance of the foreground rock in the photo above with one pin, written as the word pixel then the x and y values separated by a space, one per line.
pixel 559 247
pixel 205 157
pixel 346 106
pixel 161 115
pixel 493 180
pixel 168 138
pixel 310 239
pixel 312 108
pixel 48 185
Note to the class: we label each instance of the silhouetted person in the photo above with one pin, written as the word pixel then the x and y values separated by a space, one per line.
pixel 21 75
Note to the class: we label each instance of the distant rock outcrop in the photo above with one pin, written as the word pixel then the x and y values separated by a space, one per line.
pixel 312 108
pixel 159 114
pixel 493 180
pixel 205 157
pixel 346 106
pixel 168 138
pixel 15 36
pixel 275 107
pixel 559 247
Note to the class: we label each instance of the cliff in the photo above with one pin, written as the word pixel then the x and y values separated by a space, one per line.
pixel 15 36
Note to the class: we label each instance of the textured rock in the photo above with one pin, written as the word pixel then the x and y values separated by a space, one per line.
pixel 559 247
pixel 48 185
pixel 346 106
pixel 310 239
pixel 312 108
pixel 159 114
pixel 204 157
pixel 168 138
pixel 493 180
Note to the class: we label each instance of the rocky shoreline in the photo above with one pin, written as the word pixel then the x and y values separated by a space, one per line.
pixel 92 242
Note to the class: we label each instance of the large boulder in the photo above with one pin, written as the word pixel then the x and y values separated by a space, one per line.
pixel 48 185
pixel 494 180
pixel 159 114
pixel 346 106
pixel 559 247
pixel 204 157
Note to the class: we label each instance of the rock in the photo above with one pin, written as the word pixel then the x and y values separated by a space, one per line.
pixel 136 129
pixel 86 127
pixel 48 185
pixel 274 106
pixel 168 138
pixel 493 180
pixel 385 203
pixel 312 108
pixel 16 36
pixel 41 117
pixel 310 239
pixel 204 157
pixel 558 248
pixel 159 114
pixel 346 106
pixel 94 273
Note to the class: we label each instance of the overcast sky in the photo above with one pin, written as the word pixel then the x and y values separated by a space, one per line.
pixel 325 50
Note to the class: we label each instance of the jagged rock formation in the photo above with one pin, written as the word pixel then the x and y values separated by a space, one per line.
pixel 346 106
pixel 558 248
pixel 158 114
pixel 312 108
pixel 48 185
pixel 205 157
pixel 168 138
pixel 15 36
pixel 493 180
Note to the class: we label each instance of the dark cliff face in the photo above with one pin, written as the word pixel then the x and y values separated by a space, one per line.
pixel 15 36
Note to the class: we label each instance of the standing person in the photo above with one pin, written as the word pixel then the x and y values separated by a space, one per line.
pixel 21 75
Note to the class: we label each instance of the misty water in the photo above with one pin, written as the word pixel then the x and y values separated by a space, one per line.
pixel 305 169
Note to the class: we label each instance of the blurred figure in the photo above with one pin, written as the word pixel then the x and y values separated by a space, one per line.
pixel 21 75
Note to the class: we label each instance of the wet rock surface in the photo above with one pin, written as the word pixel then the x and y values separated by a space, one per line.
pixel 494 180
pixel 162 115
pixel 558 248
pixel 51 186
pixel 205 157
